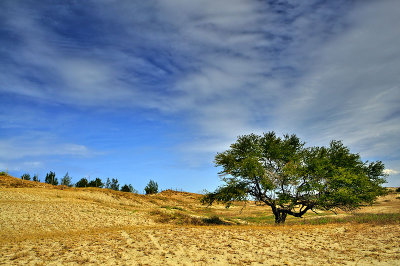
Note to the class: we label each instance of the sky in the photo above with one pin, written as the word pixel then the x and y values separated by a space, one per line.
pixel 140 90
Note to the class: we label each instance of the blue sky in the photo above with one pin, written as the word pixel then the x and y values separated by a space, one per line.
pixel 140 90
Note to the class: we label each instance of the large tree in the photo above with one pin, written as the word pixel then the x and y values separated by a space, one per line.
pixel 291 179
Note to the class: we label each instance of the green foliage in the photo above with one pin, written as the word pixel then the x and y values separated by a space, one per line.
pixel 151 188
pixel 283 174
pixel 213 220
pixel 66 180
pixel 96 183
pixel 114 184
pixel 132 189
pixel 108 183
pixel 172 208
pixel 125 188
pixel 82 183
pixel 185 219
pixel 51 178
pixel 398 189
pixel 3 173
pixel 128 188
pixel 36 178
pixel 26 176
pixel 358 218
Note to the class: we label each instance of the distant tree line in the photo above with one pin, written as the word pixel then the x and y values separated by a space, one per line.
pixel 113 184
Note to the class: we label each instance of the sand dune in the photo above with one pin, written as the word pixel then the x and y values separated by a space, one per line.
pixel 44 225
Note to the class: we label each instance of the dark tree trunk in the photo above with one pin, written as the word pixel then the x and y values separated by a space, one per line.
pixel 280 216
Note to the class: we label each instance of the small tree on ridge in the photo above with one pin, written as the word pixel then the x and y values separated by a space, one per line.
pixel 151 188
pixel 51 178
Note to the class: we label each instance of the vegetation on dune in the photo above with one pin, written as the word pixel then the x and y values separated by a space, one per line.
pixel 66 180
pixel 83 182
pixel 151 188
pixel 51 178
pixel 271 171
pixel 129 188
pixel 26 176
pixel 96 183
pixel 291 179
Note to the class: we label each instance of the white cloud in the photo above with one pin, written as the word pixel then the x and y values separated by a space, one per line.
pixel 39 145
pixel 224 68
pixel 352 90
pixel 391 172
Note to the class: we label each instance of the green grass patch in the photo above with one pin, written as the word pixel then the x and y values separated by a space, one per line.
pixel 263 219
pixel 358 218
pixel 172 208
pixel 185 219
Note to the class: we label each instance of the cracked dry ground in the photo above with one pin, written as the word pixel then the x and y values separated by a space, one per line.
pixel 51 227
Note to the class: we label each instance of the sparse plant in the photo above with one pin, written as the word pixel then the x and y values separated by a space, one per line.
pixel 26 176
pixel 108 183
pixel 66 180
pixel 132 189
pixel 151 188
pixel 114 184
pixel 51 178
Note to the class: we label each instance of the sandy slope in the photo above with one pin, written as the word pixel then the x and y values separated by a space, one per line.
pixel 47 225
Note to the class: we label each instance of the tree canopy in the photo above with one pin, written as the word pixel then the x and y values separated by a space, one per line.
pixel 82 183
pixel 66 180
pixel 96 183
pixel 151 188
pixel 292 179
pixel 51 178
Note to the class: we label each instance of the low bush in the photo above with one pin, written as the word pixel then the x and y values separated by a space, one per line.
pixel 213 220
pixel 185 219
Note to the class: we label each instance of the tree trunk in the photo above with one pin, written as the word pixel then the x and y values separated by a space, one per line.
pixel 280 216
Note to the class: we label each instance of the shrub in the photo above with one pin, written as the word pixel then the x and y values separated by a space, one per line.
pixel 398 189
pixel 125 188
pixel 66 180
pixel 3 173
pixel 26 176
pixel 51 178
pixel 128 188
pixel 82 183
pixel 213 220
pixel 96 183
pixel 114 184
pixel 36 178
pixel 151 188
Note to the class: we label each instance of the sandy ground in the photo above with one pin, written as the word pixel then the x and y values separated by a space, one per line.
pixel 171 245
pixel 45 226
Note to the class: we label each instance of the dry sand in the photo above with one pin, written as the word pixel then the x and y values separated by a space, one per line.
pixel 48 226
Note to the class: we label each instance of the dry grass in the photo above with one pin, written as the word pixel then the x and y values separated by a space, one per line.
pixel 42 224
